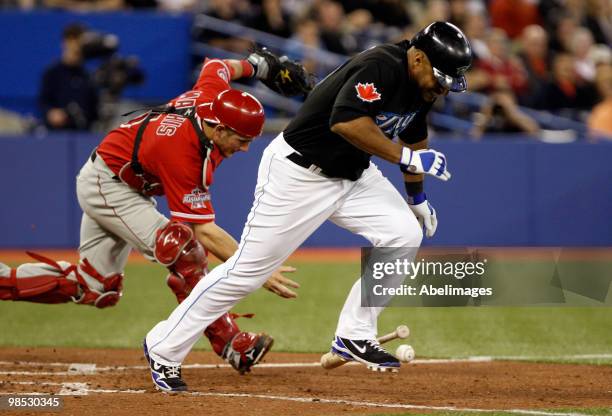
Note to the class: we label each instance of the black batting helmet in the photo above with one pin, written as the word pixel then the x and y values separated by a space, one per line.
pixel 448 51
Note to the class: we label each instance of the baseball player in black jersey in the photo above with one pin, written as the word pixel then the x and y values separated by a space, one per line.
pixel 319 169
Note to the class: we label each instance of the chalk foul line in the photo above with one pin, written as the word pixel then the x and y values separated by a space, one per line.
pixel 82 389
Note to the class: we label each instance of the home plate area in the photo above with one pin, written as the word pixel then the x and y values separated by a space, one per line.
pixel 118 382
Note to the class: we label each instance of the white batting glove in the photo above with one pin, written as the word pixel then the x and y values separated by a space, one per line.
pixel 424 212
pixel 427 161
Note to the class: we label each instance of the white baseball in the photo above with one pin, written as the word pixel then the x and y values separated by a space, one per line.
pixel 405 353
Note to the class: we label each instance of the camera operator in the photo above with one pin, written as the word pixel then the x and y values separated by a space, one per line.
pixel 68 96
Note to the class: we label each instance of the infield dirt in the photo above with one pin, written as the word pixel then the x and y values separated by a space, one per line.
pixel 221 391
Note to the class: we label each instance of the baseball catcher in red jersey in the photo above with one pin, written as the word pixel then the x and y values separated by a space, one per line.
pixel 173 151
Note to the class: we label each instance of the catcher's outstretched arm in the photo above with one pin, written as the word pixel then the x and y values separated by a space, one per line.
pixel 239 68
pixel 280 74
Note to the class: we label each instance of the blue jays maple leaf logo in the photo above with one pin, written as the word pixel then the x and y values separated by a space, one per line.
pixel 367 92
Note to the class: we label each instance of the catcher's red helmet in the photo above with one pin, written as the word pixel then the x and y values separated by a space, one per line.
pixel 238 110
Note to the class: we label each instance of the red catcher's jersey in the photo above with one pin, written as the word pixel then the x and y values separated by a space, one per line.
pixel 170 149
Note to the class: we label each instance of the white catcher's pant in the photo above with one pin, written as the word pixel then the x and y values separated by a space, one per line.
pixel 291 202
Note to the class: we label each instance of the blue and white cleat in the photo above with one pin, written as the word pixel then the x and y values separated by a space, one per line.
pixel 166 378
pixel 368 352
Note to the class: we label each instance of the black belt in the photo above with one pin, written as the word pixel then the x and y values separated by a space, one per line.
pixel 93 157
pixel 300 160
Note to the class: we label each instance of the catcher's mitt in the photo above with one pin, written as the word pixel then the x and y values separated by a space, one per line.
pixel 283 75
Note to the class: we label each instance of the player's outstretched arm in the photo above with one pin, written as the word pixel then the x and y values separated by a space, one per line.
pixel 216 240
pixel 239 68
pixel 364 134
pixel 223 246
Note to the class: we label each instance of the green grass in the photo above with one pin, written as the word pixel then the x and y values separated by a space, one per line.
pixel 307 324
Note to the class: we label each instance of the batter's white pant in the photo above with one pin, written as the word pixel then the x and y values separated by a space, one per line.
pixel 290 203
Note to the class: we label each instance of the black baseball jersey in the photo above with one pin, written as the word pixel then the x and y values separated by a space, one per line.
pixel 375 83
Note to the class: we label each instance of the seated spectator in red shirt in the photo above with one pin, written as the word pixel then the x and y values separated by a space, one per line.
pixel 505 71
pixel 501 76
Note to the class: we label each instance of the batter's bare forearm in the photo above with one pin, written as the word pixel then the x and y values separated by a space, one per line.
pixel 216 240
pixel 364 134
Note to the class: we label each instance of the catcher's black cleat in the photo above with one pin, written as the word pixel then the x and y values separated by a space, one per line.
pixel 368 352
pixel 247 349
pixel 166 378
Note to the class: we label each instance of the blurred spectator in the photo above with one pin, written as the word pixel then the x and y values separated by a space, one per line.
pixel 501 114
pixel 99 5
pixel 581 46
pixel 475 28
pixel 536 61
pixel 270 18
pixel 599 20
pixel 84 5
pixel 140 4
pixel 306 34
pixel 392 13
pixel 228 10
pixel 177 5
pixel 600 54
pixel 563 31
pixel 502 76
pixel 329 15
pixel 563 94
pixel 550 10
pixel 68 98
pixel 600 120
pixel 461 10
pixel 388 12
pixel 435 10
pixel 576 9
pixel 19 4
pixel 513 15
pixel 504 70
pixel 367 33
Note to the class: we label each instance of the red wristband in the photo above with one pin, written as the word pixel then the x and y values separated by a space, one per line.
pixel 247 69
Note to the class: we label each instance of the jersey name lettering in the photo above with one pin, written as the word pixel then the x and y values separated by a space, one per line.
pixel 187 100
pixel 169 124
